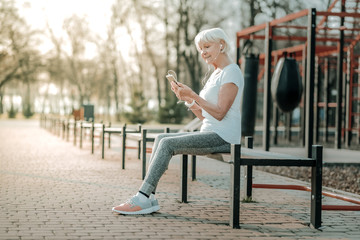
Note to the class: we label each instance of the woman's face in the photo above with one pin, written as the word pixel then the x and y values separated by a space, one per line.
pixel 209 51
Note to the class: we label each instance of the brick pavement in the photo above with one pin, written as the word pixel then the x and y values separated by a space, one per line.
pixel 50 189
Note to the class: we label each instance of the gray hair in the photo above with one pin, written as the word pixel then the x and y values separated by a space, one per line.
pixel 213 35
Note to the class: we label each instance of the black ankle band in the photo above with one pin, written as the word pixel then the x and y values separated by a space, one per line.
pixel 144 194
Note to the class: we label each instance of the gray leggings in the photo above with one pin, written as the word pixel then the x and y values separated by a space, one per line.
pixel 168 144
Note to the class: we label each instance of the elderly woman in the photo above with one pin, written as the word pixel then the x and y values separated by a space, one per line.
pixel 217 105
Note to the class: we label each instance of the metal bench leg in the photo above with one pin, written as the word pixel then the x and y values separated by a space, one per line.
pixel 63 129
pixel 143 152
pixel 139 149
pixel 81 134
pixel 103 142
pixel 249 182
pixel 316 187
pixel 235 186
pixel 92 137
pixel 123 146
pixel 193 167
pixel 183 174
pixel 67 131
pixel 74 133
pixel 249 171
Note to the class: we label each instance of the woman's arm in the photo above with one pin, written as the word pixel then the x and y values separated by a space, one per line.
pixel 226 97
pixel 196 109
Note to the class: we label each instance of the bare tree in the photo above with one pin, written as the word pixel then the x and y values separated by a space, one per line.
pixel 81 72
pixel 18 57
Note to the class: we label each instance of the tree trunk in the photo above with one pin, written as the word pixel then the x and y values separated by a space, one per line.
pixel 1 103
pixel 116 86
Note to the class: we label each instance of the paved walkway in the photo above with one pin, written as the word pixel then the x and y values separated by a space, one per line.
pixel 50 189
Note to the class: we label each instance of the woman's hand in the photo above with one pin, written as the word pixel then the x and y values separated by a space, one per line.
pixel 182 91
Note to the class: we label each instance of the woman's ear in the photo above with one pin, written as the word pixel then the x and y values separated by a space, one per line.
pixel 222 46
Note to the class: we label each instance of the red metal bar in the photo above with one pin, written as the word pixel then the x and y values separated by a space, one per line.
pixel 260 27
pixel 319 28
pixel 291 26
pixel 290 17
pixel 338 28
pixel 321 50
pixel 250 30
pixel 340 208
pixel 308 189
pixel 294 38
pixel 322 21
pixel 355 41
pixel 339 14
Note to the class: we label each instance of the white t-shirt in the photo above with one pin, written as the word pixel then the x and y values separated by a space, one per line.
pixel 229 128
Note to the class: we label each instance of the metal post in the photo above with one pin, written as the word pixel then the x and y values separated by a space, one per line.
pixel 193 167
pixel 123 147
pixel 316 186
pixel 326 99
pixel 67 130
pixel 92 137
pixel 276 123
pixel 235 185
pixel 317 81
pixel 109 136
pixel 143 152
pixel 349 87
pixel 183 174
pixel 288 119
pixel 310 74
pixel 339 78
pixel 75 123
pixel 81 133
pixel 344 105
pixel 63 129
pixel 267 88
pixel 358 105
pixel 139 143
pixel 303 109
pixel 249 170
pixel 103 141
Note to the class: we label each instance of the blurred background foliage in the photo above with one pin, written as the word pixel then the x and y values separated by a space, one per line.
pixel 122 72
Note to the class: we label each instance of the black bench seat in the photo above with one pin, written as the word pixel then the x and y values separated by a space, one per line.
pixel 250 157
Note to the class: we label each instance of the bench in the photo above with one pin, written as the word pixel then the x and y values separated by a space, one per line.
pixel 122 131
pixel 146 136
pixel 250 157
pixel 149 135
pixel 92 127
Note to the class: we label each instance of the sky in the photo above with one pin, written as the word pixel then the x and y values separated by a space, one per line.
pixel 38 12
pixel 97 12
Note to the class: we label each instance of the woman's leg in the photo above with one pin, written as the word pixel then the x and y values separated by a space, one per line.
pixel 156 144
pixel 165 147
pixel 193 143
pixel 158 139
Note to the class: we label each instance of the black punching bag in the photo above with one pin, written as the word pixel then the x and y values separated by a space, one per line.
pixel 286 85
pixel 249 95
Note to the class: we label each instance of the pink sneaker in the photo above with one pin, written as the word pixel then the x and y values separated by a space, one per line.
pixel 138 204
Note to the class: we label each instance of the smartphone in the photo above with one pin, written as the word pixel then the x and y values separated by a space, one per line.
pixel 171 78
